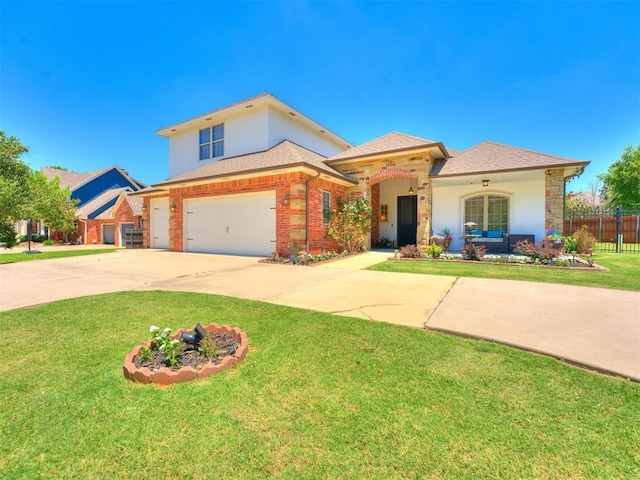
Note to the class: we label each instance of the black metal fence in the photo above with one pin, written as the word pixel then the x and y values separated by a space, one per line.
pixel 616 230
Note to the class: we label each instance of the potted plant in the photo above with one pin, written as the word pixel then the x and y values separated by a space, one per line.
pixel 446 234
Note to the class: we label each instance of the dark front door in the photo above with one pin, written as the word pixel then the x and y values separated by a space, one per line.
pixel 407 220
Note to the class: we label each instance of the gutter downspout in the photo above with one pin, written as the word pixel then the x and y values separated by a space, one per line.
pixel 306 213
pixel 564 194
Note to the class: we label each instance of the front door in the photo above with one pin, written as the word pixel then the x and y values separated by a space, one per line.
pixel 407 220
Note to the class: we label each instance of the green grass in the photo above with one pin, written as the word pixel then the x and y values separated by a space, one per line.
pixel 27 257
pixel 318 396
pixel 624 271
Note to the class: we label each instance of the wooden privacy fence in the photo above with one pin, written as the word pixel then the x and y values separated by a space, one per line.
pixel 616 230
pixel 133 239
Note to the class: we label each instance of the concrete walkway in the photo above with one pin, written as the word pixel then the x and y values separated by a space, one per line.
pixel 599 328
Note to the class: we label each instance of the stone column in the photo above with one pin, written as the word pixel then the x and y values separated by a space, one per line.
pixel 298 216
pixel 554 200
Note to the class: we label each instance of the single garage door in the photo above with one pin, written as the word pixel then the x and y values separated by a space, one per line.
pixel 159 223
pixel 243 224
pixel 109 234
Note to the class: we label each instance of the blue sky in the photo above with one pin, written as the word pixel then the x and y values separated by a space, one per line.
pixel 86 84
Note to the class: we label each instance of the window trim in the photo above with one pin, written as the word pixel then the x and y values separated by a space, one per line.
pixel 485 212
pixel 211 143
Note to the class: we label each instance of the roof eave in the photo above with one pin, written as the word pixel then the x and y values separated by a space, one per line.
pixel 300 166
pixel 521 169
pixel 388 153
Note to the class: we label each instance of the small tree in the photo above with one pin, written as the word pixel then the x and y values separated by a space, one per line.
pixel 622 180
pixel 350 224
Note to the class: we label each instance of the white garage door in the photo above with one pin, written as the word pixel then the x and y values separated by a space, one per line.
pixel 243 224
pixel 159 223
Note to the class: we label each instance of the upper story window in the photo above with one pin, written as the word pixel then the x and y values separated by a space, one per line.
pixel 212 142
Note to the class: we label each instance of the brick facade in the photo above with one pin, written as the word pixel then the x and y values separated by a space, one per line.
pixel 91 229
pixel 291 209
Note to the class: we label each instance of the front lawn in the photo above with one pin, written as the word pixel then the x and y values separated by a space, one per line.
pixel 624 271
pixel 318 396
pixel 26 257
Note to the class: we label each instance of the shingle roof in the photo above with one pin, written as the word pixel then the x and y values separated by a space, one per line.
pixel 135 203
pixel 66 178
pixel 285 154
pixel 495 157
pixel 391 142
pixel 99 201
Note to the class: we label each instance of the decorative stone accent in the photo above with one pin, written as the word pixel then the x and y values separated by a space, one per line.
pixel 166 376
pixel 554 200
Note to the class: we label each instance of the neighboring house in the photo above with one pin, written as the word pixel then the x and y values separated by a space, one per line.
pixel 259 177
pixel 105 209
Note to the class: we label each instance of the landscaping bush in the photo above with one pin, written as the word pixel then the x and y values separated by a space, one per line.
pixel 433 251
pixel 351 223
pixel 8 234
pixel 473 252
pixel 410 251
pixel 584 240
pixel 48 242
pixel 570 244
pixel 536 253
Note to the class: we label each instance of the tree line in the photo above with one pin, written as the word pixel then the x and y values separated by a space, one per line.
pixel 26 194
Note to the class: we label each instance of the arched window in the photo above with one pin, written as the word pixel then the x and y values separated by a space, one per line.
pixel 489 212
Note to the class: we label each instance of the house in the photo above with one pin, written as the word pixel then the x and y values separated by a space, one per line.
pixel 105 209
pixel 259 177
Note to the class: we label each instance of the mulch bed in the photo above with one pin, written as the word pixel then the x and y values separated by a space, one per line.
pixel 190 356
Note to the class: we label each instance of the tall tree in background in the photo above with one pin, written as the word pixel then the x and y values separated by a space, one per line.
pixel 622 180
pixel 28 194
pixel 14 178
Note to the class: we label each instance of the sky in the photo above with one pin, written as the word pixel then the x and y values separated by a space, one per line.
pixel 86 84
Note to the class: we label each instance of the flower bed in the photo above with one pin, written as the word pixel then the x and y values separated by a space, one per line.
pixel 173 361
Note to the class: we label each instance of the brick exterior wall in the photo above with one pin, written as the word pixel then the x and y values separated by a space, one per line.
pixel 291 209
pixel 92 234
pixel 554 200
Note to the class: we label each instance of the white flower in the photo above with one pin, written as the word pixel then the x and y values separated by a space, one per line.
pixel 154 329
pixel 167 330
pixel 175 341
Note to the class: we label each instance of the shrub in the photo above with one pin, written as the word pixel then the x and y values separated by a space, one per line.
pixel 410 251
pixel 8 234
pixel 472 251
pixel 584 240
pixel 570 244
pixel 351 223
pixel 433 251
pixel 536 253
pixel 48 242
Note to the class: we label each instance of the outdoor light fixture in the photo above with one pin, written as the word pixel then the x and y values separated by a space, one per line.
pixel 285 200
pixel 144 207
pixel 173 207
pixel 194 337
pixel 485 183
pixel 411 190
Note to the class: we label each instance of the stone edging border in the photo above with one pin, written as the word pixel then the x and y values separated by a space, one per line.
pixel 166 376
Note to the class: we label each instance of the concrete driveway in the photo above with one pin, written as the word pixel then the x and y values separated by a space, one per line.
pixel 598 328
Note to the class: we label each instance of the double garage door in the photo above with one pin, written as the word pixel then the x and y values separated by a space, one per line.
pixel 243 224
